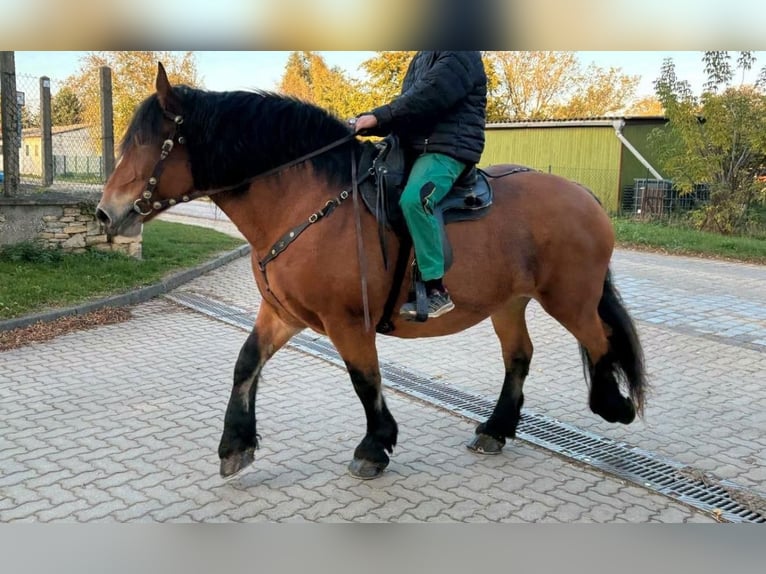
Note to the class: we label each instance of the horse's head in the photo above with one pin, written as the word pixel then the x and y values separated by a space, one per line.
pixel 153 171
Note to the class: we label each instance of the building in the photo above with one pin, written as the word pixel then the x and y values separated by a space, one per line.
pixel 74 151
pixel 604 154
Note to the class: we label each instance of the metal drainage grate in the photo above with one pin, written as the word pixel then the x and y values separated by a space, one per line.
pixel 726 500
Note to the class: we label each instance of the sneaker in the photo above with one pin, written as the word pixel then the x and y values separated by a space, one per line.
pixel 438 304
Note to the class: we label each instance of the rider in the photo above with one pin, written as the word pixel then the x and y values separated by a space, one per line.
pixel 440 115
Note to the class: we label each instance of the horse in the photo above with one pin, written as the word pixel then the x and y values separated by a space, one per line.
pixel 283 170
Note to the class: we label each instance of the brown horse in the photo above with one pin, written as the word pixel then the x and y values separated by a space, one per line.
pixel 270 162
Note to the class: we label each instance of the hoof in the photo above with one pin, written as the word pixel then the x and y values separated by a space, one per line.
pixel 235 463
pixel 364 469
pixel 485 444
pixel 624 412
pixel 628 415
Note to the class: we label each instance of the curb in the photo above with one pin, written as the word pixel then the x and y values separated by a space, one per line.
pixel 132 297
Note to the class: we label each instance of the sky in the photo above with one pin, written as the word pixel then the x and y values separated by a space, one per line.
pixel 247 70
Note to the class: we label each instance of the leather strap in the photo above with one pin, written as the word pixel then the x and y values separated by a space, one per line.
pixel 360 243
pixel 165 203
pixel 284 241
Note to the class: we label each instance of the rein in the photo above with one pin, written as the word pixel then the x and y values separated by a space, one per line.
pixel 152 204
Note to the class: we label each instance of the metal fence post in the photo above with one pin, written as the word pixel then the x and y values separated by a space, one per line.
pixel 107 122
pixel 11 121
pixel 47 131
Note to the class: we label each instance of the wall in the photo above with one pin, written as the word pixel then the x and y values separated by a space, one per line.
pixel 638 135
pixel 59 221
pixel 30 156
pixel 588 155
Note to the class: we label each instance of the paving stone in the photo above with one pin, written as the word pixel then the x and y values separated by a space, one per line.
pixel 137 441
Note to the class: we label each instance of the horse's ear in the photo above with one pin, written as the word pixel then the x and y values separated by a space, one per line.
pixel 165 93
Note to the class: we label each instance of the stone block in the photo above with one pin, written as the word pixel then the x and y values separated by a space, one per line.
pixel 94 239
pixel 122 239
pixel 74 242
pixel 75 229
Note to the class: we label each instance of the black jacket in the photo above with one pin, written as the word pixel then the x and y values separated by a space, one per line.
pixel 442 106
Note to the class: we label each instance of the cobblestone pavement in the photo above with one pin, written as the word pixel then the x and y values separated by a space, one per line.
pixel 121 422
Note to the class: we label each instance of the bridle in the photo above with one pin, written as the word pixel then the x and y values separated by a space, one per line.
pixel 147 196
pixel 147 203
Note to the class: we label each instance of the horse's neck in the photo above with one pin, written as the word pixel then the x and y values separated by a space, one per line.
pixel 271 207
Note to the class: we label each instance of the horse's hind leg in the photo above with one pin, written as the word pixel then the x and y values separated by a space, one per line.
pixel 239 440
pixel 609 347
pixel 361 358
pixel 511 327
pixel 605 398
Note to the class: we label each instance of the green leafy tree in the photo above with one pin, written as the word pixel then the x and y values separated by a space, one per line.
pixel 718 139
pixel 66 109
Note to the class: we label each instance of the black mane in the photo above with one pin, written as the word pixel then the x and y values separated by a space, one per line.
pixel 232 136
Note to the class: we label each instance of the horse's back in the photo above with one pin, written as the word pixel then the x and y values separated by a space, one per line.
pixel 549 207
pixel 540 224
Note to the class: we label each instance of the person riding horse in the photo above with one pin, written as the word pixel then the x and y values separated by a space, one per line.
pixel 439 115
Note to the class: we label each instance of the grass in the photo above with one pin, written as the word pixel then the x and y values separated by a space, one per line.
pixel 680 240
pixel 34 279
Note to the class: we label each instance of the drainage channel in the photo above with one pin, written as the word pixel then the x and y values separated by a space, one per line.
pixel 725 500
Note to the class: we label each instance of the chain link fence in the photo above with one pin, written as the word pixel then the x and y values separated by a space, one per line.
pixel 76 137
pixel 660 198
pixel 30 148
pixel 67 156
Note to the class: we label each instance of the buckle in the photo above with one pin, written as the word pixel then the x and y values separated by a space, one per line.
pixel 137 209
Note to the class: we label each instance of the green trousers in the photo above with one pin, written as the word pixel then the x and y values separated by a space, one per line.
pixel 429 182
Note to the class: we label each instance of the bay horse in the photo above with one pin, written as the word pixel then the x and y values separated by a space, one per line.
pixel 272 163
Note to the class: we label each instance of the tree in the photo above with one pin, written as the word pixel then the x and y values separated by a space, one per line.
pixel 529 83
pixel 718 139
pixel 599 92
pixel 133 77
pixel 296 79
pixel 552 85
pixel 308 77
pixel 29 118
pixel 386 73
pixel 646 106
pixel 66 109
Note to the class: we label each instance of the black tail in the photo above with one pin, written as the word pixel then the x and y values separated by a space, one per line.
pixel 625 352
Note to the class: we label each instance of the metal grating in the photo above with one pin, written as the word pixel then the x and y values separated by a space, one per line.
pixel 725 500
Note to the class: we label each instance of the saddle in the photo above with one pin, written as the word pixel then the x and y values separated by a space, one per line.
pixel 384 168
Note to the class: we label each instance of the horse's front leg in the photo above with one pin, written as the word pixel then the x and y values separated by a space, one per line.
pixel 361 357
pixel 239 440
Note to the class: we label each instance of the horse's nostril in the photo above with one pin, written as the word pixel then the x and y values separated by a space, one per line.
pixel 103 216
